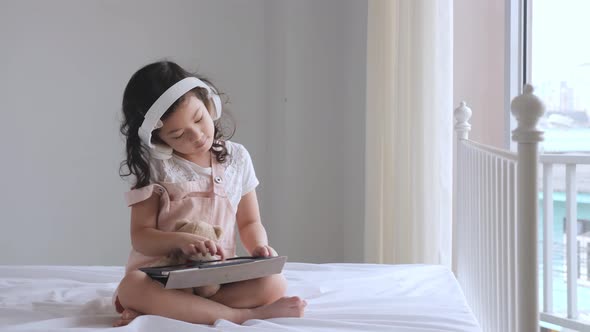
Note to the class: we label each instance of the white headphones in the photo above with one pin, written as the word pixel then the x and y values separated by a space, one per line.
pixel 152 117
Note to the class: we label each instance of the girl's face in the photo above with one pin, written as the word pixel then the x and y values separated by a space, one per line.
pixel 189 130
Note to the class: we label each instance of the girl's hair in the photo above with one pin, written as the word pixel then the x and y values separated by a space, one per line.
pixel 144 87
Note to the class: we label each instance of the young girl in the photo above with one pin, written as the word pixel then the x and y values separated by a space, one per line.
pixel 185 169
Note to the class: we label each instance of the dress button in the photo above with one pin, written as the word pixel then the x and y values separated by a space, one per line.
pixel 218 179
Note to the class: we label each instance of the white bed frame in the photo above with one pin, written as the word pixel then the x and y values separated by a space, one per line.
pixel 495 221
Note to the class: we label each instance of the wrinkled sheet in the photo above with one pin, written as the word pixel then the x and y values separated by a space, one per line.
pixel 341 297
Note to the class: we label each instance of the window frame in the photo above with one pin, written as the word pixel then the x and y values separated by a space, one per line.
pixel 518 38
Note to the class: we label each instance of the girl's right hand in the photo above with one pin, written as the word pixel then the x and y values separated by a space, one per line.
pixel 193 244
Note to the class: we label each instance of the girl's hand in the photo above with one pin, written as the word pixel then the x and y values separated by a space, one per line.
pixel 264 251
pixel 191 244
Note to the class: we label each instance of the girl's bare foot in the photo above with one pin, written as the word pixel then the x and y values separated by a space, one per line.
pixel 126 317
pixel 283 307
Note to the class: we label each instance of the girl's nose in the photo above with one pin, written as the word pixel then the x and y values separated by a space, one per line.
pixel 195 135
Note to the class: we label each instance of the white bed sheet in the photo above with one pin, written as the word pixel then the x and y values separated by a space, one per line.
pixel 341 297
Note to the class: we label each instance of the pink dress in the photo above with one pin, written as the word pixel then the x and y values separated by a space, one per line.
pixel 190 200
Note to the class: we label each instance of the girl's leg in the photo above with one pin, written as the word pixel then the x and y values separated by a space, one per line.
pixel 139 293
pixel 251 293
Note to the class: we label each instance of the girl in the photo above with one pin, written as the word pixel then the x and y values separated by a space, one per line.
pixel 184 168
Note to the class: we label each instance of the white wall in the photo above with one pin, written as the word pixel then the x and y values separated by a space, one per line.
pixel 316 102
pixel 64 66
pixel 294 72
pixel 479 66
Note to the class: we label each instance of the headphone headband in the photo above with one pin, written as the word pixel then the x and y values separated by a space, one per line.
pixel 152 117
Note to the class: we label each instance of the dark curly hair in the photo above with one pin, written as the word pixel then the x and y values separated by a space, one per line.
pixel 144 87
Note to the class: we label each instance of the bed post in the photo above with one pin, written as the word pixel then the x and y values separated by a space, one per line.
pixel 462 114
pixel 527 109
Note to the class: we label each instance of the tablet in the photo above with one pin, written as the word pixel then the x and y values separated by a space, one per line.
pixel 202 273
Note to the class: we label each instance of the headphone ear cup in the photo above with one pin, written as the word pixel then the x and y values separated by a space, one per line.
pixel 161 151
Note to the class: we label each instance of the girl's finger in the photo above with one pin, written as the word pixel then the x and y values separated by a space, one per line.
pixel 185 250
pixel 220 253
pixel 201 247
pixel 260 252
pixel 189 249
pixel 211 247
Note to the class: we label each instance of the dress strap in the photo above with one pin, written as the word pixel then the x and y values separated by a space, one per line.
pixel 217 176
pixel 141 194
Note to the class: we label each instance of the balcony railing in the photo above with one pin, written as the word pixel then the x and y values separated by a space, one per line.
pixel 577 244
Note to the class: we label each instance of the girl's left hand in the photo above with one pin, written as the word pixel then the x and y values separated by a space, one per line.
pixel 264 251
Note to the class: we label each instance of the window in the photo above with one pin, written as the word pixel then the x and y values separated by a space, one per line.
pixel 555 59
pixel 558 58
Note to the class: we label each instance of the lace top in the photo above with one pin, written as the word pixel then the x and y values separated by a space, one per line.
pixel 240 177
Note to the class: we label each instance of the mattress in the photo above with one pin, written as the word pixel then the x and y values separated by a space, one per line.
pixel 341 297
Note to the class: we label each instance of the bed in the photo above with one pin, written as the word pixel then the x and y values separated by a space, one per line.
pixel 341 297
pixel 492 285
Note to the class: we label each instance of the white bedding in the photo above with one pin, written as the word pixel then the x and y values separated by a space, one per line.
pixel 341 297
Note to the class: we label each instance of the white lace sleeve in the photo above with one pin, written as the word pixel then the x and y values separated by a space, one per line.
pixel 249 179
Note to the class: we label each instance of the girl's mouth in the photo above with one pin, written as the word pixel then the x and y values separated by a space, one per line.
pixel 201 142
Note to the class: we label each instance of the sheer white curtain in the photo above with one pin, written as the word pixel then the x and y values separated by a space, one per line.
pixel 409 132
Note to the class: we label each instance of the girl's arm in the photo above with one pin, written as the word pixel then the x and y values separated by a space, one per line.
pixel 252 233
pixel 148 240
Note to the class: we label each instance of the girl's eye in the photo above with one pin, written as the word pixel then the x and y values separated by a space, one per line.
pixel 179 136
pixel 198 120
